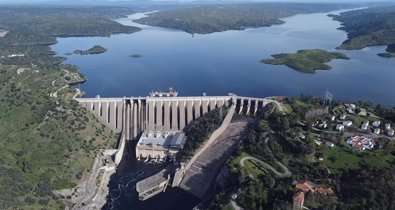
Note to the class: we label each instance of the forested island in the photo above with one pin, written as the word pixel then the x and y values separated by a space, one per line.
pixel 97 49
pixel 136 56
pixel 306 61
pixel 368 27
pixel 217 18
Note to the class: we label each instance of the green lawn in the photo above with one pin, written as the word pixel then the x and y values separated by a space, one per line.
pixel 338 158
pixel 345 157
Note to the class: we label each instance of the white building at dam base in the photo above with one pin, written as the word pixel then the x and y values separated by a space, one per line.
pixel 159 145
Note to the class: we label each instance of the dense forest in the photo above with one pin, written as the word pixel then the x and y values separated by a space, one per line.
pixel 216 18
pixel 368 27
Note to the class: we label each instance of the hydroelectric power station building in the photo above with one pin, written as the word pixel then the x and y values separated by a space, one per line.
pixel 159 145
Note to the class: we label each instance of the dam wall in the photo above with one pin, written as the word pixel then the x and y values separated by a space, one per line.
pixel 131 116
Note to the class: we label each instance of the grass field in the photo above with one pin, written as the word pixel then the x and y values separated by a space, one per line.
pixel 344 157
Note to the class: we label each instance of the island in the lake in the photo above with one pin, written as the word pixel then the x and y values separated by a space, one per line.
pixel 306 61
pixel 390 52
pixel 136 56
pixel 97 49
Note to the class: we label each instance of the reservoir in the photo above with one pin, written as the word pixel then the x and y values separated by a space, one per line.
pixel 218 64
pixel 224 62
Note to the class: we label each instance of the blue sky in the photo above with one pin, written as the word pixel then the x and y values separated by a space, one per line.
pixel 329 1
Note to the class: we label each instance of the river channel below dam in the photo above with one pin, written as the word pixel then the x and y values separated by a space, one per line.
pixel 122 187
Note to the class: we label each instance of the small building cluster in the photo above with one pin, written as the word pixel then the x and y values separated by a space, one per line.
pixel 361 143
pixel 376 128
pixel 308 186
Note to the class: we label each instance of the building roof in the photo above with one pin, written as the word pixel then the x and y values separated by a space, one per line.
pixel 161 139
pixel 177 140
pixel 305 186
pixel 151 182
pixel 325 191
pixel 299 196
pixel 376 123
pixel 360 142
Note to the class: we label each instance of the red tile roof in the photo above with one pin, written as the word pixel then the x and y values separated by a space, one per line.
pixel 305 186
pixel 327 191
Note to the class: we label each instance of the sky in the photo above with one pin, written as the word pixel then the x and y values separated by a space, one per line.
pixel 63 1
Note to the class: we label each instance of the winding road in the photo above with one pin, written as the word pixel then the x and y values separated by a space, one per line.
pixel 286 172
pixel 268 166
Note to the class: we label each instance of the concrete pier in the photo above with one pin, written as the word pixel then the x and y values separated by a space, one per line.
pixel 153 185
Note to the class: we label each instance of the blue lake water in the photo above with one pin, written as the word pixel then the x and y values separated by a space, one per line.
pixel 218 64
pixel 224 62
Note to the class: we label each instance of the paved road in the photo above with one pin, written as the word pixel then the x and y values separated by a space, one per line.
pixel 351 134
pixel 200 175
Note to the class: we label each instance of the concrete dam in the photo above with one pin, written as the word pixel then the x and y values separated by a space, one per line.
pixel 131 116
pixel 134 115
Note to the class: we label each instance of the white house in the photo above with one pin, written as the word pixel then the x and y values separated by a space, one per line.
pixel 330 144
pixel 365 125
pixel 363 112
pixel 377 131
pixel 390 132
pixel 342 117
pixel 323 125
pixel 387 126
pixel 340 127
pixel 376 123
pixel 347 123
